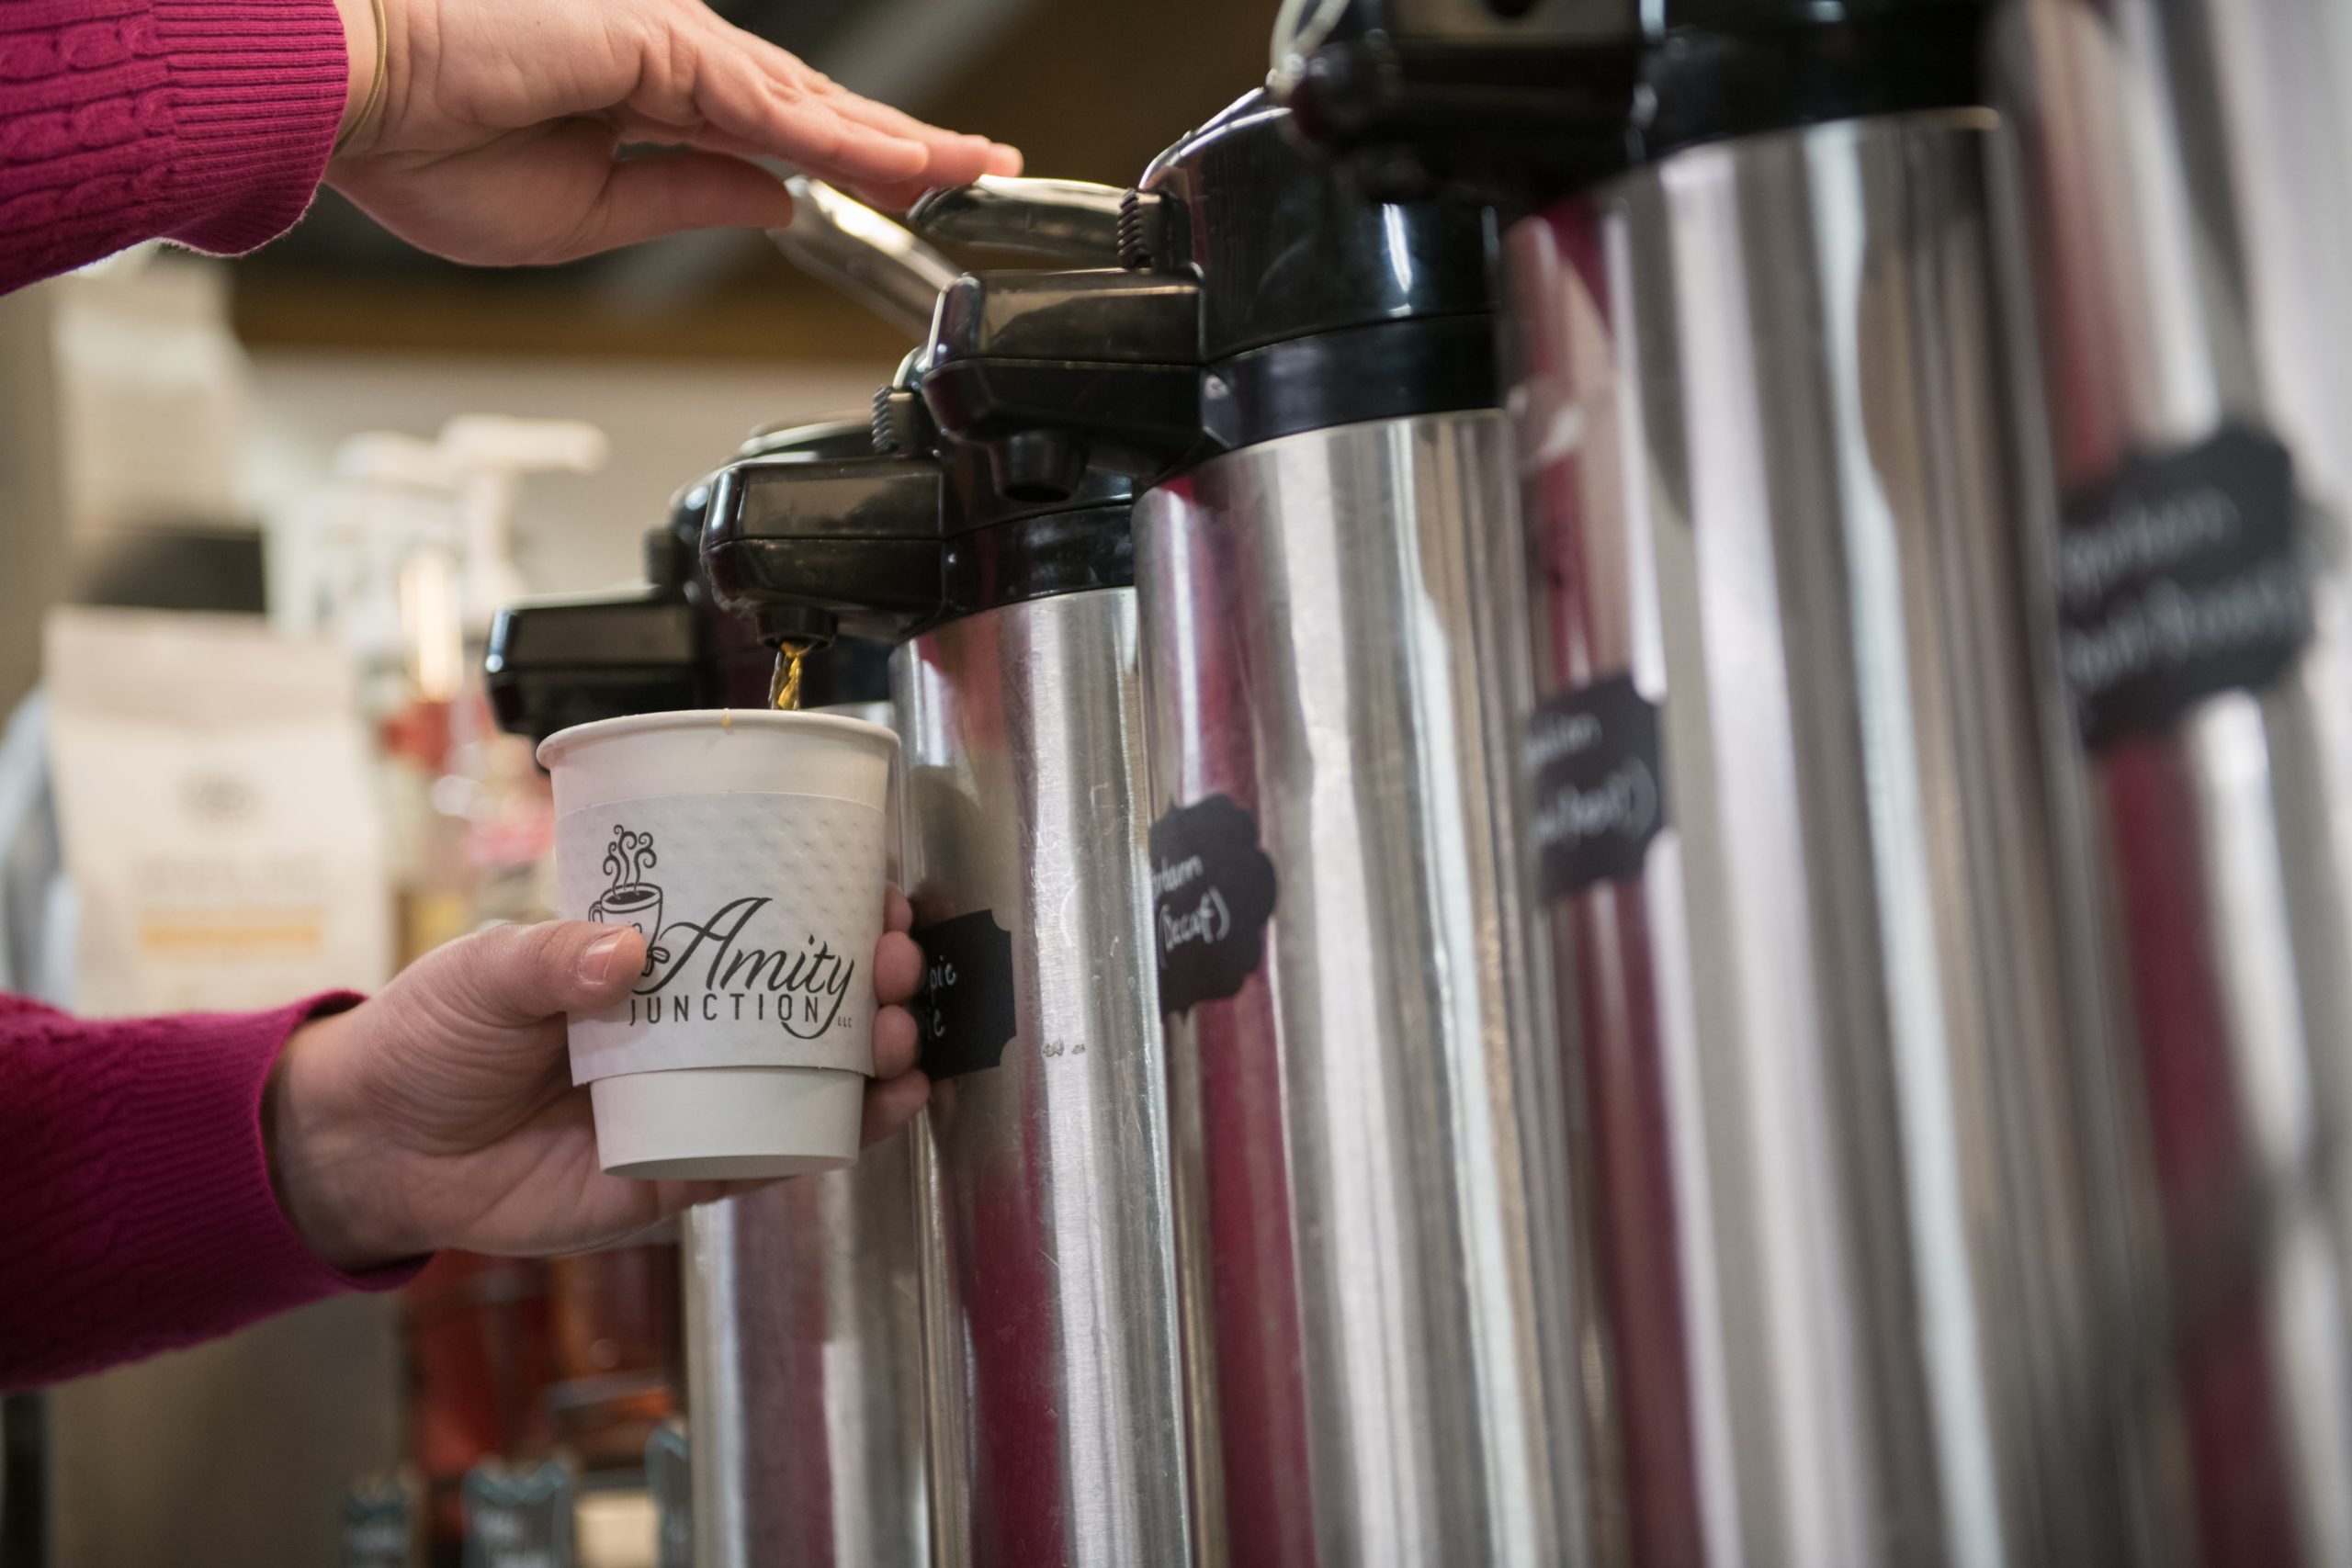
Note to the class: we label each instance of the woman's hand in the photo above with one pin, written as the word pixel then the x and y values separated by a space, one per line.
pixel 441 1111
pixel 494 135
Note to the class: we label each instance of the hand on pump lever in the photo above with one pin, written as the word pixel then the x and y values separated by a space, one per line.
pixel 441 1111
pixel 486 130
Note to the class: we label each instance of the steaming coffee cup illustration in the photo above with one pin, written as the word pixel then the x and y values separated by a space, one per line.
pixel 631 900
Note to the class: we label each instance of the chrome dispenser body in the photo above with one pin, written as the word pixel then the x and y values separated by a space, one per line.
pixel 2190 238
pixel 1046 1232
pixel 804 1374
pixel 1376 1261
pixel 1049 1260
pixel 1839 1084
pixel 1328 623
pixel 1789 772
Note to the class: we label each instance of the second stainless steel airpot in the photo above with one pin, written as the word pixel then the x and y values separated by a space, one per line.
pixel 1048 1225
pixel 1379 1325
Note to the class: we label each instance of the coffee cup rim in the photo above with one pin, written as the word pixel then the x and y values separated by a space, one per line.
pixel 563 742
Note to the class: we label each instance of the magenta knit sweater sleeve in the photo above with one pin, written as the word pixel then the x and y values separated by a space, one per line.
pixel 136 1214
pixel 206 122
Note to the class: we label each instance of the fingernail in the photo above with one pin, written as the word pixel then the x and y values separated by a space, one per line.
pixel 596 965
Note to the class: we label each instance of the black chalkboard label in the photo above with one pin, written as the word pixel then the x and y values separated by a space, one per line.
pixel 1212 894
pixel 669 1475
pixel 380 1526
pixel 2179 580
pixel 965 1013
pixel 519 1518
pixel 1599 786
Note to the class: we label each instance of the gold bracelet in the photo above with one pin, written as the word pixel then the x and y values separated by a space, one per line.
pixel 375 87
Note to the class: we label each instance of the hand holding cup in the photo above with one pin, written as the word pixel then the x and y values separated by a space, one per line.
pixel 441 1111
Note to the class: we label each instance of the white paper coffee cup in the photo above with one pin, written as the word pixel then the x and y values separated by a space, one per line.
pixel 748 848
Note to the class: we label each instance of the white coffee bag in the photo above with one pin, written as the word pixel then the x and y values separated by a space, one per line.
pixel 214 800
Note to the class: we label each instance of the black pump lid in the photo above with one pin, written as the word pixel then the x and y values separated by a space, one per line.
pixel 1519 101
pixel 1261 297
pixel 885 545
pixel 1730 68
pixel 1426 98
pixel 1280 250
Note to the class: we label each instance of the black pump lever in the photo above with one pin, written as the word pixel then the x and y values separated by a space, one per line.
pixel 1070 222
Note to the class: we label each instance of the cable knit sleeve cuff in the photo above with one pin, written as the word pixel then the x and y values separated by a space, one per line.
pixel 257 94
pixel 138 1212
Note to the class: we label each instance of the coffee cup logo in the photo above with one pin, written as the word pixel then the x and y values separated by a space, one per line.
pixel 732 961
pixel 757 912
pixel 631 900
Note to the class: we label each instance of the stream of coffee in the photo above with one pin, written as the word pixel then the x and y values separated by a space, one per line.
pixel 784 691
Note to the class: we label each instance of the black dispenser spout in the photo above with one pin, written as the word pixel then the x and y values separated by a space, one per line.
pixel 804 550
pixel 1056 372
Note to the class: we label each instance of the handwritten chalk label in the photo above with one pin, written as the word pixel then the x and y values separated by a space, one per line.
pixel 519 1518
pixel 965 1011
pixel 669 1475
pixel 379 1526
pixel 1212 893
pixel 1598 794
pixel 2179 580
